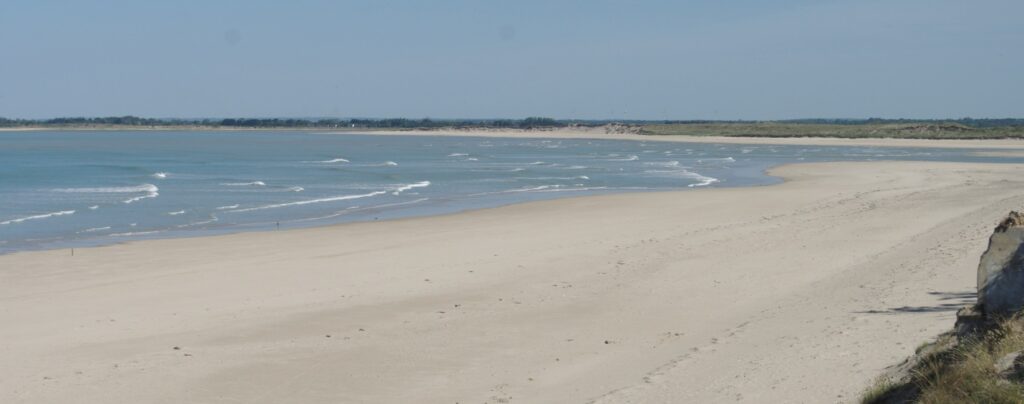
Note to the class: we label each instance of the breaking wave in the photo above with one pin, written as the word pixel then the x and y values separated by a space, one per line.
pixel 404 188
pixel 151 192
pixel 95 229
pixel 37 217
pixel 309 201
pixel 244 184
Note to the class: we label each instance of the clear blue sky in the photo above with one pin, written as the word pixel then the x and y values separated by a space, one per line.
pixel 505 59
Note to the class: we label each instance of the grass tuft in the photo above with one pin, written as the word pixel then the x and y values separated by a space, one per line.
pixel 964 371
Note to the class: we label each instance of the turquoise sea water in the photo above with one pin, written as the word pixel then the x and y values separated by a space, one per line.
pixel 67 188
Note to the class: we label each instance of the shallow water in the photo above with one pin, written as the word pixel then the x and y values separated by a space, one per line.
pixel 69 188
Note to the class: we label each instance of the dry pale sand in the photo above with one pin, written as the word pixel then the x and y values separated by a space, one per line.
pixel 799 292
pixel 608 133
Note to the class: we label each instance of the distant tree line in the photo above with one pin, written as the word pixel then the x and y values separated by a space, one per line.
pixel 398 123
pixel 427 123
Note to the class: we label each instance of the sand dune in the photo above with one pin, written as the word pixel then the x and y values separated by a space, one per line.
pixel 799 292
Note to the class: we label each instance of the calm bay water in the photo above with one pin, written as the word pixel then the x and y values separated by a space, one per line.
pixel 67 188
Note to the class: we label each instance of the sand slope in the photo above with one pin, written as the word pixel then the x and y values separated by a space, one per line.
pixel 800 292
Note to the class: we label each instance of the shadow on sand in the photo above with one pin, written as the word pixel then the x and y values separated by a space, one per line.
pixel 948 301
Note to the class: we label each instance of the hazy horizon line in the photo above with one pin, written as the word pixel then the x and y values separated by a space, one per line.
pixel 172 118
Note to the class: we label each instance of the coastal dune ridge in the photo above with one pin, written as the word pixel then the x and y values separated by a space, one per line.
pixel 635 298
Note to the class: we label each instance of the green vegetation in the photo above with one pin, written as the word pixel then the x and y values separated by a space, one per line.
pixel 961 129
pixel 965 371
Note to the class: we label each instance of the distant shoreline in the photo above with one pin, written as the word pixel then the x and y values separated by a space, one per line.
pixel 606 132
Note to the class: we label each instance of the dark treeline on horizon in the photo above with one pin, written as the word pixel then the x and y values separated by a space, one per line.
pixel 532 122
pixel 403 123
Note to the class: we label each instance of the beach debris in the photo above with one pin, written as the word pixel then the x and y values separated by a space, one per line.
pixel 1001 270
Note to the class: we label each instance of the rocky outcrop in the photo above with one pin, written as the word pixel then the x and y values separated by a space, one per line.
pixel 1001 271
pixel 1000 302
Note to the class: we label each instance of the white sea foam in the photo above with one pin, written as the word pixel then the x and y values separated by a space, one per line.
pixel 136 233
pixel 160 175
pixel 309 201
pixel 718 160
pixel 672 163
pixel 390 163
pixel 112 190
pixel 150 190
pixel 631 157
pixel 244 184
pixel 94 207
pixel 457 155
pixel 200 223
pixel 404 188
pixel 37 217
pixel 576 168
pixel 537 163
pixel 578 177
pixel 176 213
pixel 95 229
pixel 151 194
pixel 703 180
pixel 296 189
pixel 337 160
pixel 510 191
pixel 472 159
pixel 545 188
pixel 227 207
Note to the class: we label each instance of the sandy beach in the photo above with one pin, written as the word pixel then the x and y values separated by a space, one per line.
pixel 799 292
pixel 1015 146
pixel 1010 147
